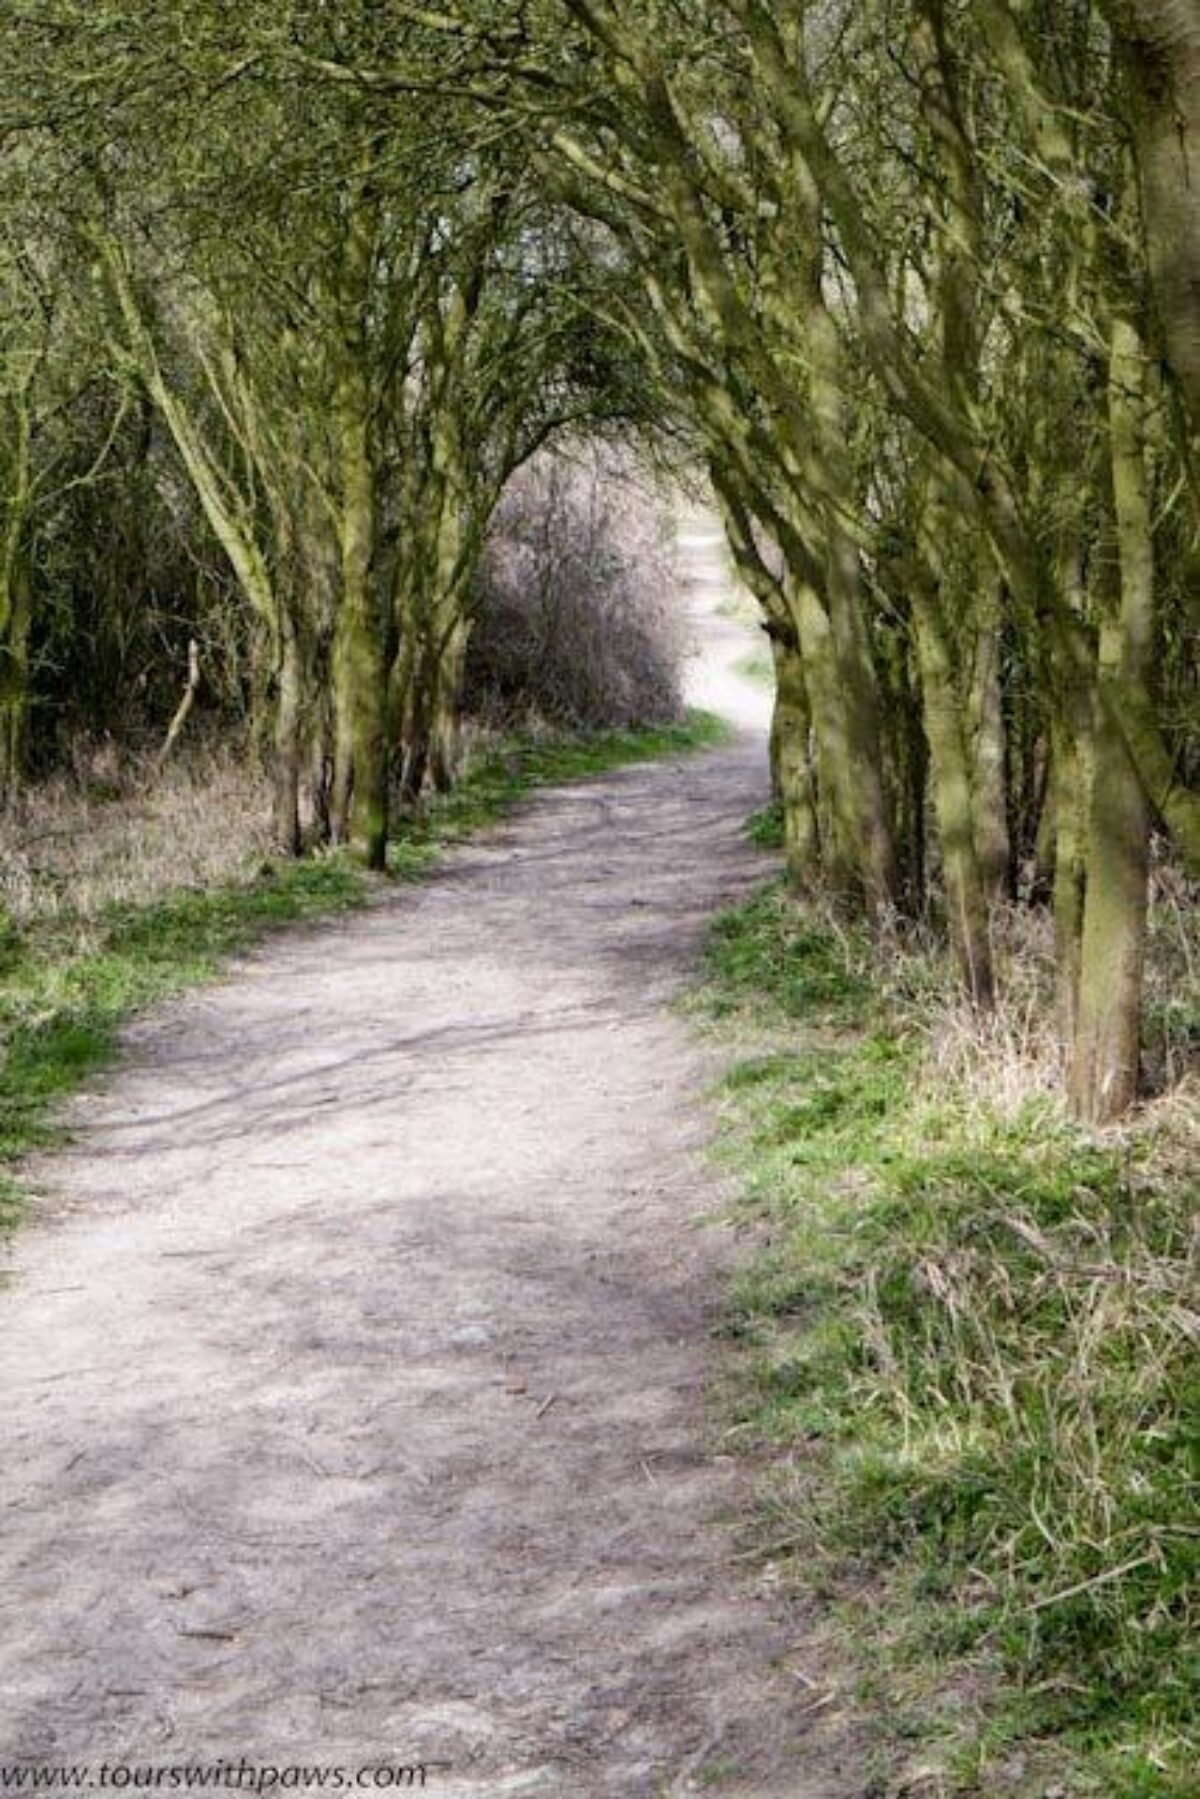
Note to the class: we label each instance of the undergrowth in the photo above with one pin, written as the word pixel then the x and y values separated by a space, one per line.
pixel 765 828
pixel 70 975
pixel 968 1342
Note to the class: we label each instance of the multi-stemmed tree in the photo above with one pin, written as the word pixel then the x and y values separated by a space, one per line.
pixel 353 326
pixel 905 266
pixel 914 278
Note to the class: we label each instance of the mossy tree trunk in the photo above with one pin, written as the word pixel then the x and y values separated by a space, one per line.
pixel 846 864
pixel 968 912
pixel 791 735
pixel 800 445
pixel 288 737
pixel 986 731
pixel 359 804
pixel 1160 44
pixel 936 412
pixel 793 769
pixel 446 747
pixel 963 716
pixel 232 505
pixel 1072 740
pixel 852 700
pixel 15 605
pixel 1105 1052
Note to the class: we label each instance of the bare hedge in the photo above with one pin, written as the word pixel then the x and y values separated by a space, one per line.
pixel 575 620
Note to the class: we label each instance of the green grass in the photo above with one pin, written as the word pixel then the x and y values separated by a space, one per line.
pixel 968 1340
pixel 767 950
pixel 68 984
pixel 765 828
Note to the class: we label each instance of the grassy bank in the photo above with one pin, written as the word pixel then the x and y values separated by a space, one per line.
pixel 966 1346
pixel 72 973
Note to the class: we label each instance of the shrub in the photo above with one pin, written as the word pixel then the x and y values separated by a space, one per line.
pixel 574 623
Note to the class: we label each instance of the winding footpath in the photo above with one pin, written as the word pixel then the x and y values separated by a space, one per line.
pixel 354 1364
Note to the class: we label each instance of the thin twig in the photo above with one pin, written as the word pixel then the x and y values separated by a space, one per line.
pixel 1085 1586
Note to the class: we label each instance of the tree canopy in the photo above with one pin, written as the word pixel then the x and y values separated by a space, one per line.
pixel 913 282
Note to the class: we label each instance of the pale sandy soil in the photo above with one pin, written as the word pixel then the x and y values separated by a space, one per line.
pixel 355 1364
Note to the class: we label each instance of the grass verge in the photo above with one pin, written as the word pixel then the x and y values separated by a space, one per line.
pixel 69 980
pixel 966 1343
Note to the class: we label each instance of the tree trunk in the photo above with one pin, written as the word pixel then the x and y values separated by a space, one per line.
pixel 985 712
pixel 968 913
pixel 359 810
pixel 1160 42
pixel 1105 1053
pixel 1072 782
pixel 1072 733
pixel 865 800
pixel 791 731
pixel 418 740
pixel 843 854
pixel 15 602
pixel 358 801
pixel 289 749
pixel 419 700
pixel 15 609
pixel 446 735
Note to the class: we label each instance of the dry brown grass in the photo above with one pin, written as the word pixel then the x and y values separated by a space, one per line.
pixel 109 835
pixel 1017 1053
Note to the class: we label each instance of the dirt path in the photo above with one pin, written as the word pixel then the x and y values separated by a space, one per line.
pixel 353 1375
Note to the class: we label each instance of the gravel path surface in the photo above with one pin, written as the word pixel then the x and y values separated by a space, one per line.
pixel 354 1364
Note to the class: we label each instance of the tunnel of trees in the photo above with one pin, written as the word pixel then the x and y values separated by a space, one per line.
pixel 289 291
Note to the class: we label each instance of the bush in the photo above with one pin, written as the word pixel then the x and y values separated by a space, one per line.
pixel 574 625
